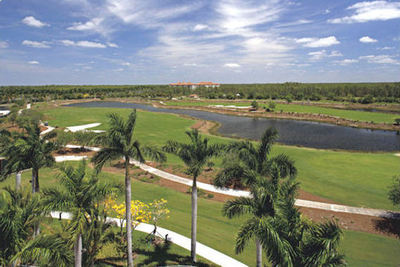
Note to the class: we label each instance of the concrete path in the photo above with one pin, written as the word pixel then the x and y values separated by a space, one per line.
pixel 180 240
pixel 48 130
pixel 69 158
pixel 82 127
pixel 238 193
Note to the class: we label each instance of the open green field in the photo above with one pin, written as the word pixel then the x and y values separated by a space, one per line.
pixel 358 179
pixel 356 115
pixel 219 232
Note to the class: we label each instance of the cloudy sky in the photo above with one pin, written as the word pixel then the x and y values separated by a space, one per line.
pixel 228 41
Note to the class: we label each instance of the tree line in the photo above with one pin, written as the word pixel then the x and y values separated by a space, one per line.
pixel 364 93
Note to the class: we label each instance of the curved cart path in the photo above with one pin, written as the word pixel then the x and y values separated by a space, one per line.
pixel 239 193
pixel 180 240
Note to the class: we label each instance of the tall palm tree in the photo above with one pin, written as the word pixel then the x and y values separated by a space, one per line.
pixel 80 195
pixel 195 155
pixel 251 165
pixel 119 141
pixel 19 212
pixel 29 150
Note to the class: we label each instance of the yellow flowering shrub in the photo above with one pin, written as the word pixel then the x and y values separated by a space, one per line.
pixel 141 212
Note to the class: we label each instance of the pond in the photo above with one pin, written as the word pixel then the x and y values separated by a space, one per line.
pixel 291 132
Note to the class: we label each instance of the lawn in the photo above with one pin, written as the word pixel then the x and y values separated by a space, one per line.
pixel 219 232
pixel 356 115
pixel 352 178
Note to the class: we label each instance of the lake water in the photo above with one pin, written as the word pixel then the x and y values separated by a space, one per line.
pixel 291 132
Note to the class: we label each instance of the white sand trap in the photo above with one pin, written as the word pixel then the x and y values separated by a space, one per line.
pixel 82 127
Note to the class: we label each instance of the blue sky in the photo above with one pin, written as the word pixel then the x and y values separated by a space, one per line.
pixel 228 41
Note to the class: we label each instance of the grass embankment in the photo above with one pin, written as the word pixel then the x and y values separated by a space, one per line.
pixel 355 115
pixel 218 232
pixel 358 179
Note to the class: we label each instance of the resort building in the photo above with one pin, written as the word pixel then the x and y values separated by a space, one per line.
pixel 195 85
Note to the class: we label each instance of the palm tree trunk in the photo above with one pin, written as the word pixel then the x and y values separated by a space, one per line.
pixel 259 252
pixel 78 251
pixel 128 197
pixel 35 180
pixel 194 220
pixel 18 181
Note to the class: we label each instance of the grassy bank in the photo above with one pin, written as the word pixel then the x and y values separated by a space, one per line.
pixel 356 115
pixel 219 232
pixel 358 179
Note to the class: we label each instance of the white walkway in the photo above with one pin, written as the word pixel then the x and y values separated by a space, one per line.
pixel 82 127
pixel 180 240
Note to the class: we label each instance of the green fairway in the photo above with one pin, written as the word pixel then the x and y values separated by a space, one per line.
pixel 219 232
pixel 356 115
pixel 358 179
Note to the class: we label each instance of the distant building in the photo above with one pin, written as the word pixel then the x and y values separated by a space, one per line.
pixel 195 85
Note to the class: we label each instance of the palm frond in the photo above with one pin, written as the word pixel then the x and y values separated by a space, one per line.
pixel 237 207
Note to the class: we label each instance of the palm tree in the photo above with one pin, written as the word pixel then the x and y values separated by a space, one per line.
pixel 252 166
pixel 80 195
pixel 310 244
pixel 195 155
pixel 248 161
pixel 19 213
pixel 260 225
pixel 29 150
pixel 119 141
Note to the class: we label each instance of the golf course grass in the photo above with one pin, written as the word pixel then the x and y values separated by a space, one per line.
pixel 218 232
pixel 351 178
pixel 356 115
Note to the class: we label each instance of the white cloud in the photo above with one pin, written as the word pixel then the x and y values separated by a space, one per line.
pixel 200 27
pixel 318 55
pixel 370 11
pixel 36 44
pixel 3 44
pixel 31 21
pixel 318 42
pixel 33 62
pixel 113 45
pixel 90 25
pixel 367 39
pixel 346 61
pixel 386 48
pixel 380 59
pixel 125 64
pixel 232 65
pixel 88 44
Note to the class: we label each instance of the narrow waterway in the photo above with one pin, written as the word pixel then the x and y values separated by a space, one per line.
pixel 291 132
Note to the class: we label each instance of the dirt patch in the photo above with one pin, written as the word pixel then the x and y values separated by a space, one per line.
pixel 204 126
pixel 356 222
pixel 74 151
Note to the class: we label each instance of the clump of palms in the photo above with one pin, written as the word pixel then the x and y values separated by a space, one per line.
pixel 27 149
pixel 195 155
pixel 119 142
pixel 19 214
pixel 249 165
pixel 81 195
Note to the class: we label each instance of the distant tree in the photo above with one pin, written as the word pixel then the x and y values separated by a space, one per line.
pixel 394 191
pixel 195 155
pixel 254 104
pixel 397 121
pixel 272 105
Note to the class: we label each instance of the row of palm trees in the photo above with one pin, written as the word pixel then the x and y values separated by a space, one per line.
pixel 275 224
